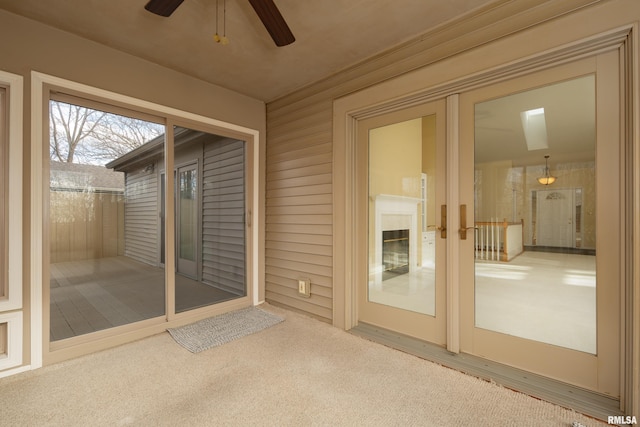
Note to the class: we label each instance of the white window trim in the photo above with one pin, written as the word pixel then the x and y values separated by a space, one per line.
pixel 13 358
pixel 38 82
pixel 14 196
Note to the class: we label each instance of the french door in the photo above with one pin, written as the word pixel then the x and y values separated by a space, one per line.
pixel 401 191
pixel 525 268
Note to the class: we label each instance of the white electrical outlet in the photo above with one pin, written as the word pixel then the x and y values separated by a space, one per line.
pixel 304 287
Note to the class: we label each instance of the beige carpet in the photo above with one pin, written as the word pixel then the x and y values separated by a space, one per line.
pixel 300 372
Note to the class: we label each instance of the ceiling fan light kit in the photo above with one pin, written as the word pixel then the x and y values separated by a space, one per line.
pixel 266 10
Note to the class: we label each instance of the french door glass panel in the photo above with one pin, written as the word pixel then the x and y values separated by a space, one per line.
pixel 533 278
pixel 401 252
pixel 404 187
pixel 210 219
pixel 540 276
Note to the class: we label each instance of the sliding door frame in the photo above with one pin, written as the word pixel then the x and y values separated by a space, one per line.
pixel 41 87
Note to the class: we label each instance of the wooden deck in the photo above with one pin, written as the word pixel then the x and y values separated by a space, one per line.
pixel 91 295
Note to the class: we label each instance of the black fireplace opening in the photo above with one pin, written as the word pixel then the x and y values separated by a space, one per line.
pixel 395 253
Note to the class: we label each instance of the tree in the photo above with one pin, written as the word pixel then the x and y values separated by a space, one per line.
pixel 84 135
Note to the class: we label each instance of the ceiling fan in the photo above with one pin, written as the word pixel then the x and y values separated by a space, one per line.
pixel 265 9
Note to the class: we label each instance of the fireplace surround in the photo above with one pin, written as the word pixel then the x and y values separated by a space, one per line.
pixel 395 214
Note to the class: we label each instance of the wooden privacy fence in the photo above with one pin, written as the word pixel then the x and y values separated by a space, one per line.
pixel 498 241
pixel 85 224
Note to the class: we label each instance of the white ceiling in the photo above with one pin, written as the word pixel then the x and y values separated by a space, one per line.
pixel 570 117
pixel 331 35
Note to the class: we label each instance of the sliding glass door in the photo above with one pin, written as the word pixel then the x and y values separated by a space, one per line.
pixel 108 216
pixel 210 205
pixel 103 224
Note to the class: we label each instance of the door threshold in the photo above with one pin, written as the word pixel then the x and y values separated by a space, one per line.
pixel 571 397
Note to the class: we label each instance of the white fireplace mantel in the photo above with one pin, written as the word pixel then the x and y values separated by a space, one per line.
pixel 394 212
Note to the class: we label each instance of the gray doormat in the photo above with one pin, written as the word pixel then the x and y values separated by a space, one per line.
pixel 221 329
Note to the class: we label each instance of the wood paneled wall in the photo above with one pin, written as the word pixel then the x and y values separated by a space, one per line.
pixel 299 206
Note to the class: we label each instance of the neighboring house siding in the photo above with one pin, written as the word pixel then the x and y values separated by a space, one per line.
pixel 299 208
pixel 141 216
pixel 223 223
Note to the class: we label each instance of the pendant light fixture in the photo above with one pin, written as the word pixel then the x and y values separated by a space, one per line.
pixel 547 179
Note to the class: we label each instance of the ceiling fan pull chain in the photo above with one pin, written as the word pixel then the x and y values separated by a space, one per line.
pixel 224 39
pixel 216 37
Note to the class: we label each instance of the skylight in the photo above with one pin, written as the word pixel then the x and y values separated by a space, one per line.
pixel 535 129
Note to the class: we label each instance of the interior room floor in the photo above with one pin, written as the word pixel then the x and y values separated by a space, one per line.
pixel 547 297
pixel 543 296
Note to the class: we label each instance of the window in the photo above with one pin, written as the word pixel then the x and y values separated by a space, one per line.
pixel 11 333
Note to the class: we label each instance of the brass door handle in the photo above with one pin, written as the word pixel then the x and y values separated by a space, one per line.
pixel 463 223
pixel 443 223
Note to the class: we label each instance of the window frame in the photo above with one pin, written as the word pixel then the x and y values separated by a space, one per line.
pixel 11 301
pixel 11 194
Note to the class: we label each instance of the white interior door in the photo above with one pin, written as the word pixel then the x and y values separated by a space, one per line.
pixel 556 218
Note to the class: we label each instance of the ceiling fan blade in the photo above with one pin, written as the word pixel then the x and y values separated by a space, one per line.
pixel 273 21
pixel 163 7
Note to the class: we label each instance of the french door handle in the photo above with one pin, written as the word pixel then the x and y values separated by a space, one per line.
pixel 463 223
pixel 443 222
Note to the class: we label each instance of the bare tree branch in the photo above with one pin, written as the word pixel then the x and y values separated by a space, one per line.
pixel 83 135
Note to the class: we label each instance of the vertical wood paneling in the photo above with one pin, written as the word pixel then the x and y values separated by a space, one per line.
pixel 223 228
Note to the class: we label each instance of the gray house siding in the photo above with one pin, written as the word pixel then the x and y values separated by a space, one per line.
pixel 141 217
pixel 223 220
